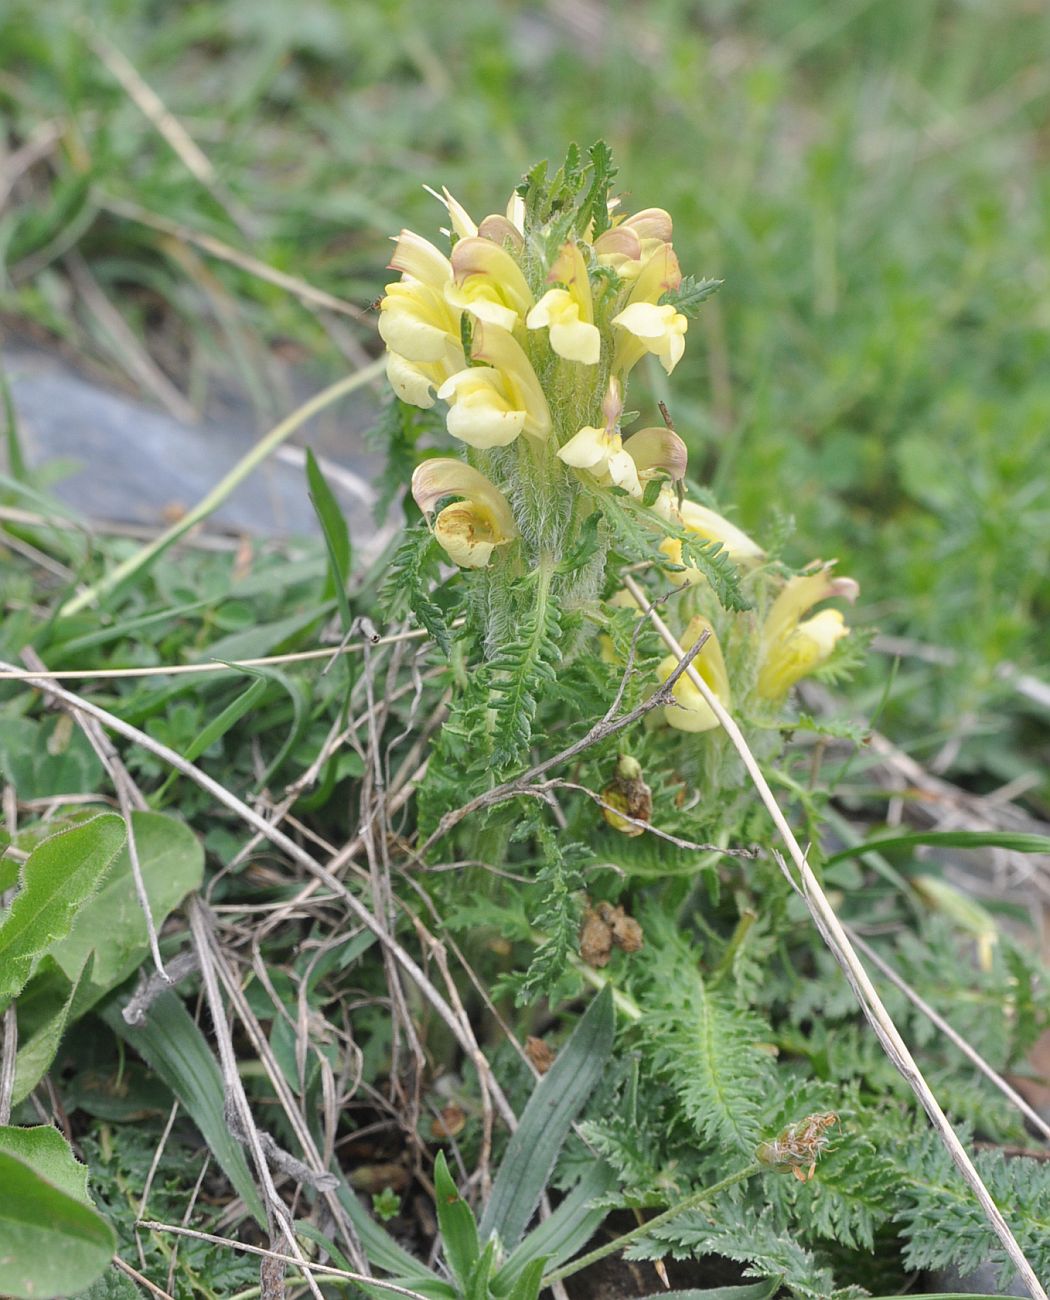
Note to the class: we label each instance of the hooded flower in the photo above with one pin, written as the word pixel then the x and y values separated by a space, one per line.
pixel 712 527
pixel 792 647
pixel 419 327
pixel 471 528
pixel 646 324
pixel 691 712
pixel 600 451
pixel 568 312
pixel 489 405
pixel 488 283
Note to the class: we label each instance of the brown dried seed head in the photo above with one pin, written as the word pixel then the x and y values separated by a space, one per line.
pixel 626 932
pixel 541 1054
pixel 595 939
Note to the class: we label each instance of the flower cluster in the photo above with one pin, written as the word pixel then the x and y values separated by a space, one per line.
pixel 525 334
pixel 528 330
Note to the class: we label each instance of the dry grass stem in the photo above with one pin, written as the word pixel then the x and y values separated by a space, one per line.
pixel 308 1267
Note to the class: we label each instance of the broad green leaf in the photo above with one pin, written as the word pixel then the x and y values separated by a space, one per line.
pixel 336 534
pixel 1017 842
pixel 564 1232
pixel 557 1100
pixel 52 1243
pixel 58 878
pixel 175 1049
pixel 112 925
pixel 44 1008
pixel 459 1229
pixel 46 1150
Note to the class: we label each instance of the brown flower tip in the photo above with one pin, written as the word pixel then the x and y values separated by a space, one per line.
pixel 795 1149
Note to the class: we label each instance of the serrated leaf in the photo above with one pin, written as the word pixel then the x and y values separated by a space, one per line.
pixel 691 293
pixel 58 878
pixel 52 1241
pixel 558 1098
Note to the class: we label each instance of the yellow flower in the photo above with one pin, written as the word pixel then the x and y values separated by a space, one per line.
pixel 630 243
pixel 791 648
pixel 647 325
pixel 691 712
pixel 712 527
pixel 569 312
pixel 490 405
pixel 502 350
pixel 488 283
pixel 600 451
pixel 419 327
pixel 470 529
pixel 650 327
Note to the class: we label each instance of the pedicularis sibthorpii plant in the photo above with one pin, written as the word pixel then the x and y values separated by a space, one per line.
pixel 627 845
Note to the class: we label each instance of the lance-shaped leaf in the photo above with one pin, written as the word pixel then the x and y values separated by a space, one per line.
pixel 559 1097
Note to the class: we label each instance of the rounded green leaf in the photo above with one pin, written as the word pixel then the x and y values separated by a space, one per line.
pixel 51 1243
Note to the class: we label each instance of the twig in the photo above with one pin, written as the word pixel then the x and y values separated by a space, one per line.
pixel 835 937
pixel 150 988
pixel 7 1063
pixel 140 1278
pixel 236 1097
pixel 307 1266
pixel 691 845
pixel 602 730
pixel 287 845
pixel 233 478
pixel 227 666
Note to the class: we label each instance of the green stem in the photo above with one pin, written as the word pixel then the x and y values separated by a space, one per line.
pixel 270 442
pixel 690 1203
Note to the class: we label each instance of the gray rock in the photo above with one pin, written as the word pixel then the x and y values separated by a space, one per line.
pixel 131 463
